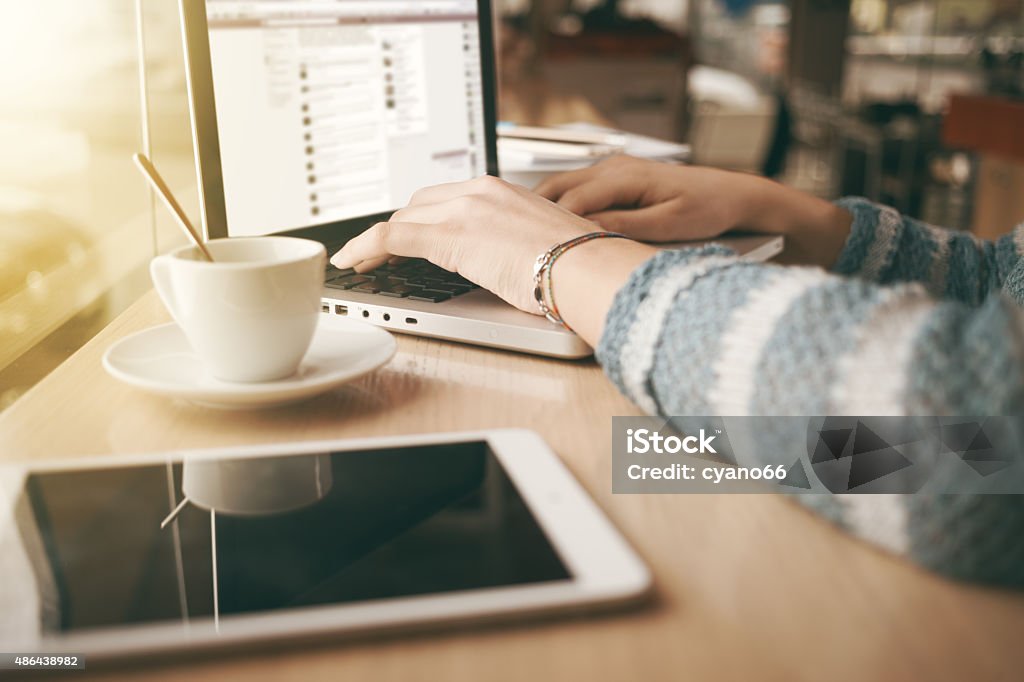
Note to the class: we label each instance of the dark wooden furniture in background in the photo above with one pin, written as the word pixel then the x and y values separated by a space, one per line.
pixel 635 79
pixel 993 128
pixel 817 43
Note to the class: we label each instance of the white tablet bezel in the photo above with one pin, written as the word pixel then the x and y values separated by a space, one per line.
pixel 604 570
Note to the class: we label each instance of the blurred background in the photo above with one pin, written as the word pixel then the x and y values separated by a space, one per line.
pixel 915 103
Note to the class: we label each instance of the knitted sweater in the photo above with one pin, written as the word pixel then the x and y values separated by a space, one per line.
pixel 913 320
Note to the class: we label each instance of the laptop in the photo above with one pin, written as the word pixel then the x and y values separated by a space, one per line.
pixel 319 118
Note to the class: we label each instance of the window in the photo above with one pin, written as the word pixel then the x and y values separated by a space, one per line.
pixel 76 225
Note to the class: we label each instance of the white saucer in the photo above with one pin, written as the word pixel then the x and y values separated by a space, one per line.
pixel 160 360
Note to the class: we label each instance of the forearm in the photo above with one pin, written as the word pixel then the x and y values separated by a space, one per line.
pixel 725 336
pixel 699 332
pixel 857 237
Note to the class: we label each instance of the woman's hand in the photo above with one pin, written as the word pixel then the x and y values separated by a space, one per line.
pixel 487 230
pixel 652 201
pixel 657 202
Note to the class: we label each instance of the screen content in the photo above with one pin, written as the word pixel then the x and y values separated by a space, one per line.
pixel 335 109
pixel 86 549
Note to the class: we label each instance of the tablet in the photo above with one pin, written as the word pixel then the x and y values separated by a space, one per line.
pixel 185 550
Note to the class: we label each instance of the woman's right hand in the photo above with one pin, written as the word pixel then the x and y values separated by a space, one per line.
pixel 652 201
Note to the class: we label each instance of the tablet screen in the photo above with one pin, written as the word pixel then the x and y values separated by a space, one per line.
pixel 267 534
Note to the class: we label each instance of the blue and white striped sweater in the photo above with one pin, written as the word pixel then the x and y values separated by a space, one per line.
pixel 913 320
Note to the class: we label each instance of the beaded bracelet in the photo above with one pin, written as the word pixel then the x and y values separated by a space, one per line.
pixel 542 289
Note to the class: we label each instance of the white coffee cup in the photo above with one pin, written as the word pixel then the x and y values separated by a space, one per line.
pixel 249 315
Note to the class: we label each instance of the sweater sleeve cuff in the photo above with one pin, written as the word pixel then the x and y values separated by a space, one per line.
pixel 863 234
pixel 623 312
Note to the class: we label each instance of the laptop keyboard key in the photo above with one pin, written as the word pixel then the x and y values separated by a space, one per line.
pixel 450 288
pixel 332 272
pixel 400 291
pixel 430 295
pixel 348 281
pixel 367 288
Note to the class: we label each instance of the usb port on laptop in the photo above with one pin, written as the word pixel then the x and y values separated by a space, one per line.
pixel 340 309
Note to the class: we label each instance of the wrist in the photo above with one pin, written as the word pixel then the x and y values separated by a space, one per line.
pixel 542 284
pixel 815 229
pixel 756 199
pixel 585 279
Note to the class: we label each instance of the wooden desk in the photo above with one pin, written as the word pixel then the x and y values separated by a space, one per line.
pixel 748 587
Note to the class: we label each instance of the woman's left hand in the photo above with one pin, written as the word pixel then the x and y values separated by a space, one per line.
pixel 487 230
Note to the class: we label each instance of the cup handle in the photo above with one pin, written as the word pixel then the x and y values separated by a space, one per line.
pixel 160 273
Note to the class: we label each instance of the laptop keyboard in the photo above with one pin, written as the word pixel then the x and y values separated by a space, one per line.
pixel 417 280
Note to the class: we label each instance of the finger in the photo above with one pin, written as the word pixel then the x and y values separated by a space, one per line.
pixel 384 240
pixel 553 187
pixel 648 223
pixel 369 265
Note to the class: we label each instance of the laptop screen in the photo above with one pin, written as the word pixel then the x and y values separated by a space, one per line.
pixel 329 110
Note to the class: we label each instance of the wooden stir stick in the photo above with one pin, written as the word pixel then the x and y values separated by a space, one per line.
pixel 157 183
